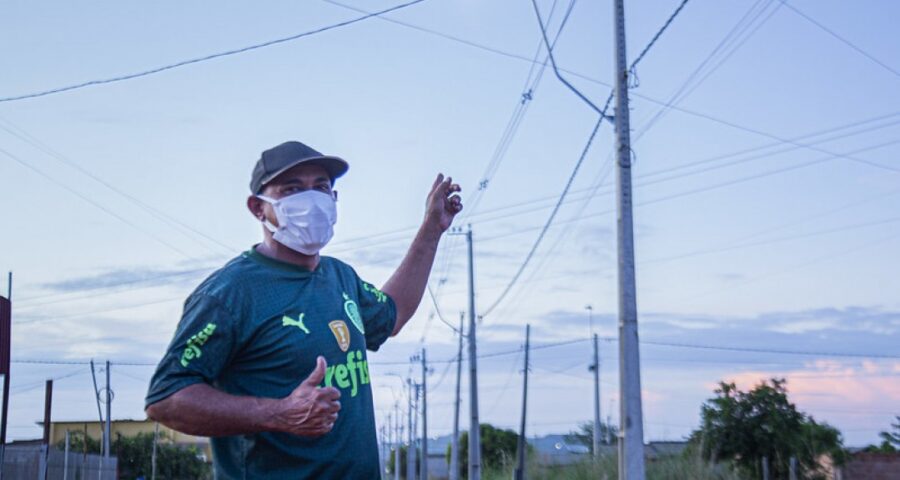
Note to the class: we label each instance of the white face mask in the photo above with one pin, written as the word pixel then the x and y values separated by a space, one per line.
pixel 305 220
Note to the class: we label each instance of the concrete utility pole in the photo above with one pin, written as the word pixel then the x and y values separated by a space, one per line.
pixel 595 367
pixel 631 448
pixel 474 425
pixel 399 440
pixel 381 444
pixel 106 437
pixel 153 455
pixel 520 447
pixel 411 431
pixel 454 452
pixel 45 448
pixel 100 416
pixel 423 474
pixel 66 459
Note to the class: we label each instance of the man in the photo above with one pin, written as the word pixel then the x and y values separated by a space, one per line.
pixel 269 358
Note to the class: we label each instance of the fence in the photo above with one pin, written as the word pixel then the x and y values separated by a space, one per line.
pixel 27 461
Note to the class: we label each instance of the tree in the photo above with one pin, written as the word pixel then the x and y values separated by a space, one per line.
pixel 745 427
pixel 498 448
pixel 403 462
pixel 890 441
pixel 585 434
pixel 134 456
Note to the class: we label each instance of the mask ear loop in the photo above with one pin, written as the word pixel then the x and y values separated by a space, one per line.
pixel 265 221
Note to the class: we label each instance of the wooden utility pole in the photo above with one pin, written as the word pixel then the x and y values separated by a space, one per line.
pixel 45 447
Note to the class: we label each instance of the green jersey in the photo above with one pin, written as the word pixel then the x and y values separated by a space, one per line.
pixel 255 327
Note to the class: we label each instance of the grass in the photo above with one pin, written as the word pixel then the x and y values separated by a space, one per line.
pixel 674 467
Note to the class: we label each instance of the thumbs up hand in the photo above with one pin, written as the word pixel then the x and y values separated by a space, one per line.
pixel 309 411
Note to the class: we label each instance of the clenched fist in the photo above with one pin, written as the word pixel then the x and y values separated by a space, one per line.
pixel 309 410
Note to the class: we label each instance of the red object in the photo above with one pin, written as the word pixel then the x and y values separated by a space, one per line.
pixel 5 334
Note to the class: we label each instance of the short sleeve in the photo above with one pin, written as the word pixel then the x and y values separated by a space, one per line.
pixel 379 314
pixel 200 350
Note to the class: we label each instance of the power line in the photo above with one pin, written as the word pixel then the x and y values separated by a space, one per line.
pixel 587 146
pixel 729 44
pixel 207 57
pixel 658 34
pixel 525 230
pixel 766 350
pixel 729 348
pixel 839 37
pixel 97 312
pixel 522 105
pixel 437 311
pixel 549 221
pixel 556 70
pixel 183 227
pixel 94 203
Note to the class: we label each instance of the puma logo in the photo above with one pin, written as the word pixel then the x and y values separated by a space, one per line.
pixel 287 321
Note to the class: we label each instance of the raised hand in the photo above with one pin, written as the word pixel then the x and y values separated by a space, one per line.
pixel 443 203
pixel 309 410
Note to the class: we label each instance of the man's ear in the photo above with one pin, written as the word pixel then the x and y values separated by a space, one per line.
pixel 334 194
pixel 255 205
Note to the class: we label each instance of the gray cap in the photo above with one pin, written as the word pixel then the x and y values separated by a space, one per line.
pixel 277 160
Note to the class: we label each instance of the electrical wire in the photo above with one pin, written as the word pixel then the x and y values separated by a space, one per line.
pixel 192 61
pixel 523 101
pixel 549 221
pixel 180 226
pixel 765 350
pixel 95 204
pixel 726 47
pixel 839 37
pixel 556 71
pixel 584 152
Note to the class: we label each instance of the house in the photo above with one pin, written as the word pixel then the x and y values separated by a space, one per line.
pixel 128 428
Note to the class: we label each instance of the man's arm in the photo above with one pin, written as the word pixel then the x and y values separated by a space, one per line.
pixel 407 285
pixel 202 410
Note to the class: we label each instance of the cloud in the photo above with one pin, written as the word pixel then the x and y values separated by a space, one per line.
pixel 145 276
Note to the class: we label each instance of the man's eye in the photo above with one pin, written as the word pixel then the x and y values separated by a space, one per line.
pixel 323 188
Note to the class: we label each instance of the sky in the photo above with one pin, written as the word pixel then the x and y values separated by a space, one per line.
pixel 767 187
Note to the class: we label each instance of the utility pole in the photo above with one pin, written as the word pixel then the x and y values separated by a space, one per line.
pixel 595 367
pixel 424 470
pixel 520 448
pixel 454 452
pixel 474 425
pixel 153 455
pixel 66 459
pixel 100 415
pixel 106 437
pixel 390 434
pixel 399 440
pixel 48 407
pixel 411 431
pixel 631 448
pixel 381 444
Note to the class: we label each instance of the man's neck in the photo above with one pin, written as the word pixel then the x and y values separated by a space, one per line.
pixel 272 249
